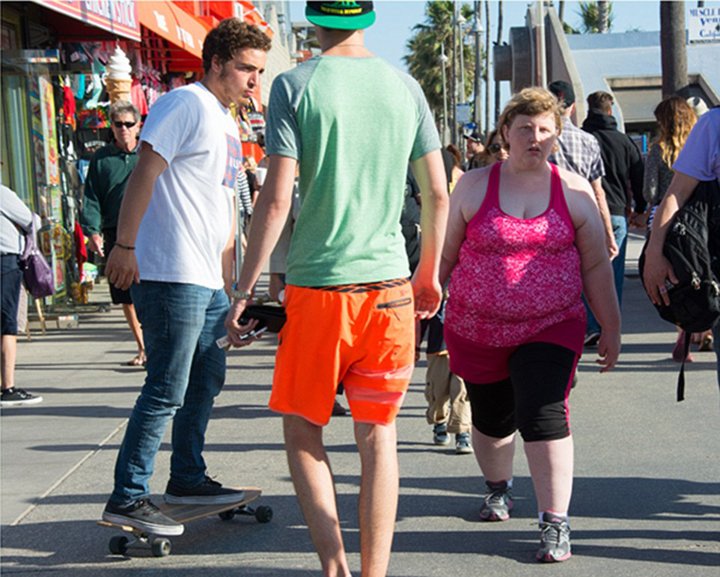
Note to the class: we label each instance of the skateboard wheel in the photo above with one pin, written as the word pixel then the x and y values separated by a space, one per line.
pixel 227 515
pixel 118 545
pixel 161 547
pixel 263 514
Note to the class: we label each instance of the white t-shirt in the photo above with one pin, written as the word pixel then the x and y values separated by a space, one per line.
pixel 187 223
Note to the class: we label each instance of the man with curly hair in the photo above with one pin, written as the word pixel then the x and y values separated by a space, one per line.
pixel 175 233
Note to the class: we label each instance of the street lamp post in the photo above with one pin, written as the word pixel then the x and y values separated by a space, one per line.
pixel 477 31
pixel 443 63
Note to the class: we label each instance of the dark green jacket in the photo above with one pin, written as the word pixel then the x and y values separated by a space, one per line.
pixel 107 176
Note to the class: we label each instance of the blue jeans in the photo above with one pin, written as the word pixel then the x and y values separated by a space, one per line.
pixel 185 372
pixel 716 337
pixel 620 231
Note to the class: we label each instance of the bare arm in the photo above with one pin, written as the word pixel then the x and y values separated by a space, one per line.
pixel 596 269
pixel 271 212
pixel 122 269
pixel 602 205
pixel 430 175
pixel 464 203
pixel 657 268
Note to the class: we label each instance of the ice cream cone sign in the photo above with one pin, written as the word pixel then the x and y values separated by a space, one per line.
pixel 118 79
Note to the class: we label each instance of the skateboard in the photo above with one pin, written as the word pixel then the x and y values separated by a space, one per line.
pixel 161 546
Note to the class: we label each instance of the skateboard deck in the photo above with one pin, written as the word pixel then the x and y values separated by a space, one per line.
pixel 161 545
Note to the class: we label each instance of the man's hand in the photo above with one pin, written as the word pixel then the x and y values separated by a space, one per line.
pixel 276 286
pixel 96 243
pixel 657 272
pixel 235 330
pixel 639 220
pixel 612 246
pixel 121 269
pixel 428 296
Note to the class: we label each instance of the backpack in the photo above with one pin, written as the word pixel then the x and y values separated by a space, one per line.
pixel 692 246
pixel 410 221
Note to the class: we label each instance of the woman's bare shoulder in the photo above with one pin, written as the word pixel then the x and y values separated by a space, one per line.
pixel 470 189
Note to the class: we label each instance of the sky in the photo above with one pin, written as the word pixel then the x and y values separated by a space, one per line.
pixel 396 18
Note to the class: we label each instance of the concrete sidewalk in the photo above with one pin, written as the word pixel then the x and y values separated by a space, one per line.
pixel 647 490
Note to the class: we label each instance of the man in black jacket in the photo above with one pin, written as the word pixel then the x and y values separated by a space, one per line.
pixel 623 168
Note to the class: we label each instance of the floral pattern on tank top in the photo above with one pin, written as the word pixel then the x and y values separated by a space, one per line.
pixel 515 277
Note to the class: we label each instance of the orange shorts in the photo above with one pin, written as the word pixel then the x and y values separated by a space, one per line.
pixel 360 335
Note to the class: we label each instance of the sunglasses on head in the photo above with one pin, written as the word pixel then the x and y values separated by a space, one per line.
pixel 494 148
pixel 119 124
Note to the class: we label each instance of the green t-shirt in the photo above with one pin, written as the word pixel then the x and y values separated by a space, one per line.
pixel 353 124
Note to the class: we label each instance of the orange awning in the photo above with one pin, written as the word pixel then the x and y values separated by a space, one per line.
pixel 174 24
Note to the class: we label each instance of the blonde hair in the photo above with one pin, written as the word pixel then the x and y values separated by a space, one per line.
pixel 675 121
pixel 531 101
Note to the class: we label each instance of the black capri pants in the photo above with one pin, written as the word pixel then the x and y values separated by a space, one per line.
pixel 534 400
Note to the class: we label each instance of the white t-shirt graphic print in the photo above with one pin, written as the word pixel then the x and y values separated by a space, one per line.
pixel 188 221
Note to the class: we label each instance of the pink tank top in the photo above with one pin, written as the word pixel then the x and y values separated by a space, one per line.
pixel 515 277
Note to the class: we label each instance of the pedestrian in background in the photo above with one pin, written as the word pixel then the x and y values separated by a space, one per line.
pixel 15 221
pixel 623 165
pixel 578 152
pixel 109 171
pixel 675 119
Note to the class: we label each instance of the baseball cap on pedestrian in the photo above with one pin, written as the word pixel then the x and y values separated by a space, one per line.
pixel 564 92
pixel 341 15
pixel 474 136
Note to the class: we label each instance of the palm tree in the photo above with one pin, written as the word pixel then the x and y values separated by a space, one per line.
pixel 424 49
pixel 597 17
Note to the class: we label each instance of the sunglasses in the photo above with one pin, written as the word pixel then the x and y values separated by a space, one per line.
pixel 494 148
pixel 118 124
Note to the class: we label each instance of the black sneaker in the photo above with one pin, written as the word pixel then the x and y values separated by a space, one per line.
pixel 591 339
pixel 142 515
pixel 15 397
pixel 209 492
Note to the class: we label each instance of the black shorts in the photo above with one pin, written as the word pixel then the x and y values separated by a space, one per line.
pixel 534 400
pixel 11 281
pixel 118 296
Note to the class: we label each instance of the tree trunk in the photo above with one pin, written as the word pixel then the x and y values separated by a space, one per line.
pixel 603 15
pixel 672 47
pixel 561 11
pixel 499 42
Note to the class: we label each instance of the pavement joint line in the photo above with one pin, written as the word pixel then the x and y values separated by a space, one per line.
pixel 74 468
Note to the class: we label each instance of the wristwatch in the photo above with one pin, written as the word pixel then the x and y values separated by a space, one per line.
pixel 240 295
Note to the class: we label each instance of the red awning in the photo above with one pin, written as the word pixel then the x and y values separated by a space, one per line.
pixel 174 25
pixel 119 17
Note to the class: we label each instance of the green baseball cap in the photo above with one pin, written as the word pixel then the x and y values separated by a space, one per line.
pixel 341 15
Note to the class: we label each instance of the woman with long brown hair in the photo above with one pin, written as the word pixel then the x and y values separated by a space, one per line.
pixel 675 119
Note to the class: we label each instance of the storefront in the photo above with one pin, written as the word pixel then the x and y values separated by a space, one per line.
pixel 40 114
pixel 54 102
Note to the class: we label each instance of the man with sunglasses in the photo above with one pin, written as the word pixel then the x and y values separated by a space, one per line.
pixel 109 170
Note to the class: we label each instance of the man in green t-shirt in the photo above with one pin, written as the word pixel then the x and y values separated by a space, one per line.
pixel 351 122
